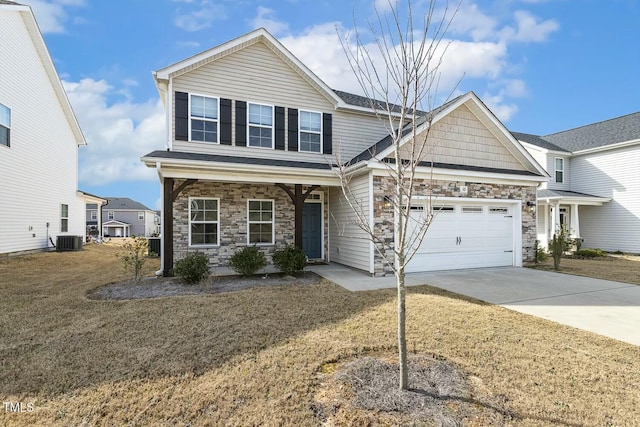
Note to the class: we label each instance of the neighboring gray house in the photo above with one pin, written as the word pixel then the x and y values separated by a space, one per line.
pixel 252 135
pixel 123 217
pixel 595 185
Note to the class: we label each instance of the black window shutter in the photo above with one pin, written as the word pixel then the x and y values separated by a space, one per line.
pixel 182 116
pixel 241 123
pixel 225 121
pixel 279 128
pixel 327 134
pixel 293 129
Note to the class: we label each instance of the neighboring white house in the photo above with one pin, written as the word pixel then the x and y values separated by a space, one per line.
pixel 595 184
pixel 39 140
pixel 252 135
pixel 122 217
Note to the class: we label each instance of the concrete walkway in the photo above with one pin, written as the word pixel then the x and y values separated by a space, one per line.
pixel 607 308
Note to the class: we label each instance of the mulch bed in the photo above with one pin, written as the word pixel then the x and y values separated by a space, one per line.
pixel 158 287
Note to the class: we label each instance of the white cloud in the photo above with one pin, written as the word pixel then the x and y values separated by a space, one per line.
pixel 200 18
pixel 528 29
pixel 52 15
pixel 470 20
pixel 117 133
pixel 266 18
pixel 384 6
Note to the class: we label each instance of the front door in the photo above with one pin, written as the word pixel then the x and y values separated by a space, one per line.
pixel 312 230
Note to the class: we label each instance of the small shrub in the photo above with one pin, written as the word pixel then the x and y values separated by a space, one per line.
pixel 134 255
pixel 578 243
pixel 541 253
pixel 193 268
pixel 617 252
pixel 247 261
pixel 559 244
pixel 590 253
pixel 290 260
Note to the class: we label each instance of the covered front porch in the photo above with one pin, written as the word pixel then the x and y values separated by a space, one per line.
pixel 556 209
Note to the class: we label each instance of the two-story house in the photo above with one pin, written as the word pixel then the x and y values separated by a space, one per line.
pixel 594 188
pixel 122 217
pixel 39 140
pixel 253 137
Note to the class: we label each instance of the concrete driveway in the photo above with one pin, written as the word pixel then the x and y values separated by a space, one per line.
pixel 607 308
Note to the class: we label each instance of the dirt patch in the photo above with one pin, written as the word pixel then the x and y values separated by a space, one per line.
pixel 158 287
pixel 440 393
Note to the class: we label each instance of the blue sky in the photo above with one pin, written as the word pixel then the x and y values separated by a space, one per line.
pixel 541 65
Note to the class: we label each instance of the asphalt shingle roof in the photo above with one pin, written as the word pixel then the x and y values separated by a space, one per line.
pixel 239 160
pixel 601 134
pixel 12 3
pixel 542 194
pixel 536 140
pixel 124 203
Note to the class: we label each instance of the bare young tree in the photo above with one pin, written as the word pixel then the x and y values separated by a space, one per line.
pixel 398 73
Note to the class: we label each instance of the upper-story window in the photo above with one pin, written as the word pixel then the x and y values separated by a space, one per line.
pixel 204 118
pixel 260 126
pixel 5 125
pixel 110 215
pixel 94 215
pixel 559 170
pixel 140 215
pixel 310 131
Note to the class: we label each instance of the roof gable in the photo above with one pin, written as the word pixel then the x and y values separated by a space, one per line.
pixel 489 144
pixel 41 48
pixel 124 203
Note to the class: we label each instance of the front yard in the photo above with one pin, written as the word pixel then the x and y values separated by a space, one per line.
pixel 260 356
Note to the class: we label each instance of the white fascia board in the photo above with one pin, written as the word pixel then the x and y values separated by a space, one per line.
pixel 216 171
pixel 425 172
pixel 50 69
pixel 584 201
pixel 608 147
pixel 528 145
pixel 90 198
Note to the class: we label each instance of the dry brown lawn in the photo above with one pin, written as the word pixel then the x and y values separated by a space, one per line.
pixel 621 268
pixel 259 356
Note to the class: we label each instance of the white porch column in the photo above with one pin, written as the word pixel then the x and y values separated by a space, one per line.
pixel 575 221
pixel 546 225
pixel 555 218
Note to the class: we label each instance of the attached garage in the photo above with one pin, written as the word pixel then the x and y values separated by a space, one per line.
pixel 472 233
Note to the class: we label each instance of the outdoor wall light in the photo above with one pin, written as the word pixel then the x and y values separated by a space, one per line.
pixel 387 203
pixel 531 207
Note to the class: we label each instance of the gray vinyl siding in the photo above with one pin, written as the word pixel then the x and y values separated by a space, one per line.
pixel 349 245
pixel 613 174
pixel 551 168
pixel 137 227
pixel 257 74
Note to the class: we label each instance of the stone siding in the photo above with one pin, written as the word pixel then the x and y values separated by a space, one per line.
pixel 233 219
pixel 384 218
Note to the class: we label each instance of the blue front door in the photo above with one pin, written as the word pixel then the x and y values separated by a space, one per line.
pixel 312 230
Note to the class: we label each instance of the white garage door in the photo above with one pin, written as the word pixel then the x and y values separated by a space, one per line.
pixel 464 236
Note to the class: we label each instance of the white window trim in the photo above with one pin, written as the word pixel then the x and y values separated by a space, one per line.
pixel 217 121
pixel 62 218
pixel 94 214
pixel 8 144
pixel 111 215
pixel 272 127
pixel 555 167
pixel 140 214
pixel 273 222
pixel 206 245
pixel 306 131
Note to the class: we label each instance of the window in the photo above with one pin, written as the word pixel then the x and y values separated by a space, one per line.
pixel 64 218
pixel 260 221
pixel 310 131
pixel 442 208
pixel 472 209
pixel 141 215
pixel 260 126
pixel 204 224
pixel 499 210
pixel 559 170
pixel 5 125
pixel 204 118
pixel 94 215
pixel 110 215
